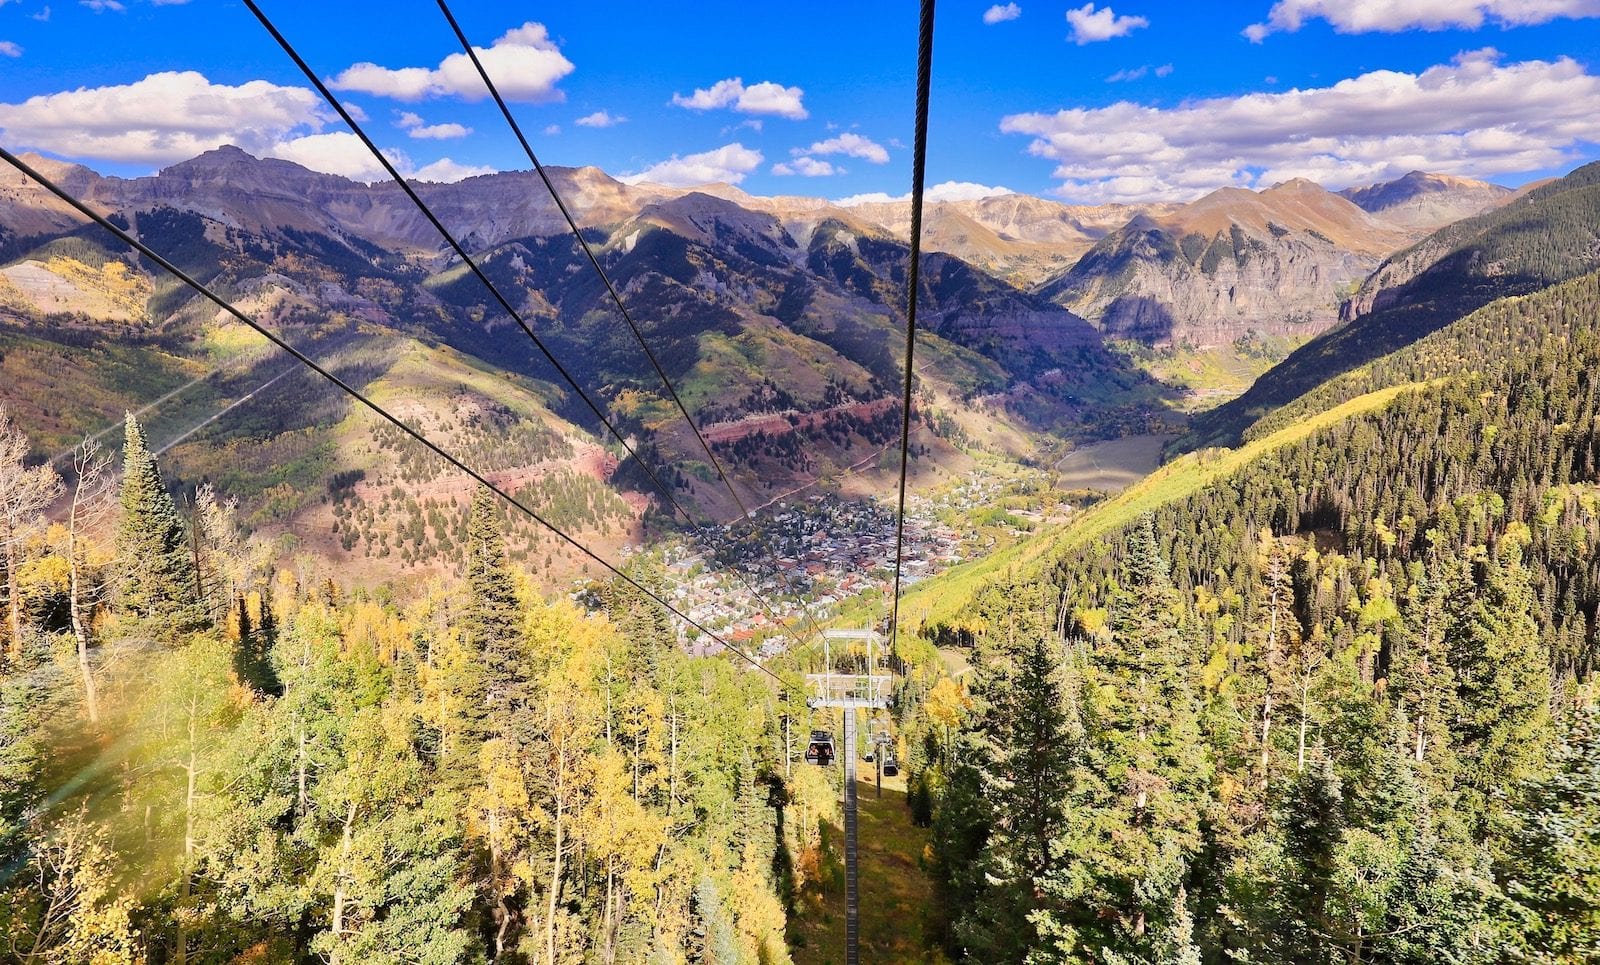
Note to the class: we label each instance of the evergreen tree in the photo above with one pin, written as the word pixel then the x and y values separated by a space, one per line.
pixel 158 583
pixel 1027 783
pixel 1503 682
pixel 1551 871
pixel 489 623
pixel 1133 815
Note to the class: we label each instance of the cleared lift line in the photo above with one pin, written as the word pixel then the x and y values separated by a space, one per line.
pixel 505 303
pixel 383 413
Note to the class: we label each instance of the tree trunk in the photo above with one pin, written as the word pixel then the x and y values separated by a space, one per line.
pixel 672 770
pixel 1305 714
pixel 185 887
pixel 300 770
pixel 80 628
pixel 14 606
pixel 338 889
pixel 555 872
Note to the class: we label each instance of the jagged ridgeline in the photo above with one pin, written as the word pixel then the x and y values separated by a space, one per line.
pixel 782 332
pixel 1331 706
pixel 1548 235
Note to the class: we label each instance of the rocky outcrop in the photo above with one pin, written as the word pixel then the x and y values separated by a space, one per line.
pixel 1427 201
pixel 1278 261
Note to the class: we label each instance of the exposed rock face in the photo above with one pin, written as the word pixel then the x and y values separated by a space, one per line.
pixel 1277 261
pixel 1020 238
pixel 258 195
pixel 1427 201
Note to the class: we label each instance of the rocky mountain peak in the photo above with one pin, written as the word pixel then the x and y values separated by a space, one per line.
pixel 1424 200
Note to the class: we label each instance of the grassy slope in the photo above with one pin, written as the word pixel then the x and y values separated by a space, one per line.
pixel 897 896
pixel 941 599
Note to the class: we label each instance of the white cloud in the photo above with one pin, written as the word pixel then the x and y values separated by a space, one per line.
pixel 600 119
pixel 416 127
pixel 338 152
pixel 1134 73
pixel 944 191
pixel 9 48
pixel 163 118
pixel 1090 25
pixel 43 16
pixel 763 98
pixel 729 163
pixel 448 171
pixel 1388 16
pixel 552 129
pixel 439 132
pixel 342 153
pixel 101 6
pixel 999 13
pixel 524 63
pixel 1475 116
pixel 850 145
pixel 808 167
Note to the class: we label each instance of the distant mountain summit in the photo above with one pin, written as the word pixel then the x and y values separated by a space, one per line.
pixel 1235 261
pixel 1423 200
pixel 1536 239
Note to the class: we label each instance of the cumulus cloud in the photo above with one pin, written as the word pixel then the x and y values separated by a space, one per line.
pixel 552 129
pixel 448 172
pixel 944 191
pixel 1387 16
pixel 729 163
pixel 850 145
pixel 1134 73
pixel 766 97
pixel 1475 116
pixel 163 118
pixel 338 152
pixel 1090 25
pixel 600 119
pixel 101 6
pixel 342 153
pixel 806 167
pixel 525 64
pixel 416 127
pixel 1000 13
pixel 9 48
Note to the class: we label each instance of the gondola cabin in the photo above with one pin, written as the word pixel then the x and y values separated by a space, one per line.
pixel 820 750
pixel 891 765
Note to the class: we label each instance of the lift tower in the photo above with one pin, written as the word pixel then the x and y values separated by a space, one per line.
pixel 850 692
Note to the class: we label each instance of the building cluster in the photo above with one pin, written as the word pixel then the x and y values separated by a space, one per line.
pixel 805 557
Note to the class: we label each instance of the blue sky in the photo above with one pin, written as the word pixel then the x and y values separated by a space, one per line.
pixel 1078 101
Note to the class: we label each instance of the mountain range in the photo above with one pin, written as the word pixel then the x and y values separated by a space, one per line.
pixel 755 308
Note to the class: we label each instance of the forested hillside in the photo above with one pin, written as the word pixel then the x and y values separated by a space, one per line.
pixel 205 758
pixel 1337 707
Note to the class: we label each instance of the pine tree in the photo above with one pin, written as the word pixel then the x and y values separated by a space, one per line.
pixel 1132 821
pixel 1503 682
pixel 489 623
pixel 158 583
pixel 1551 872
pixel 1026 787
pixel 1311 824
